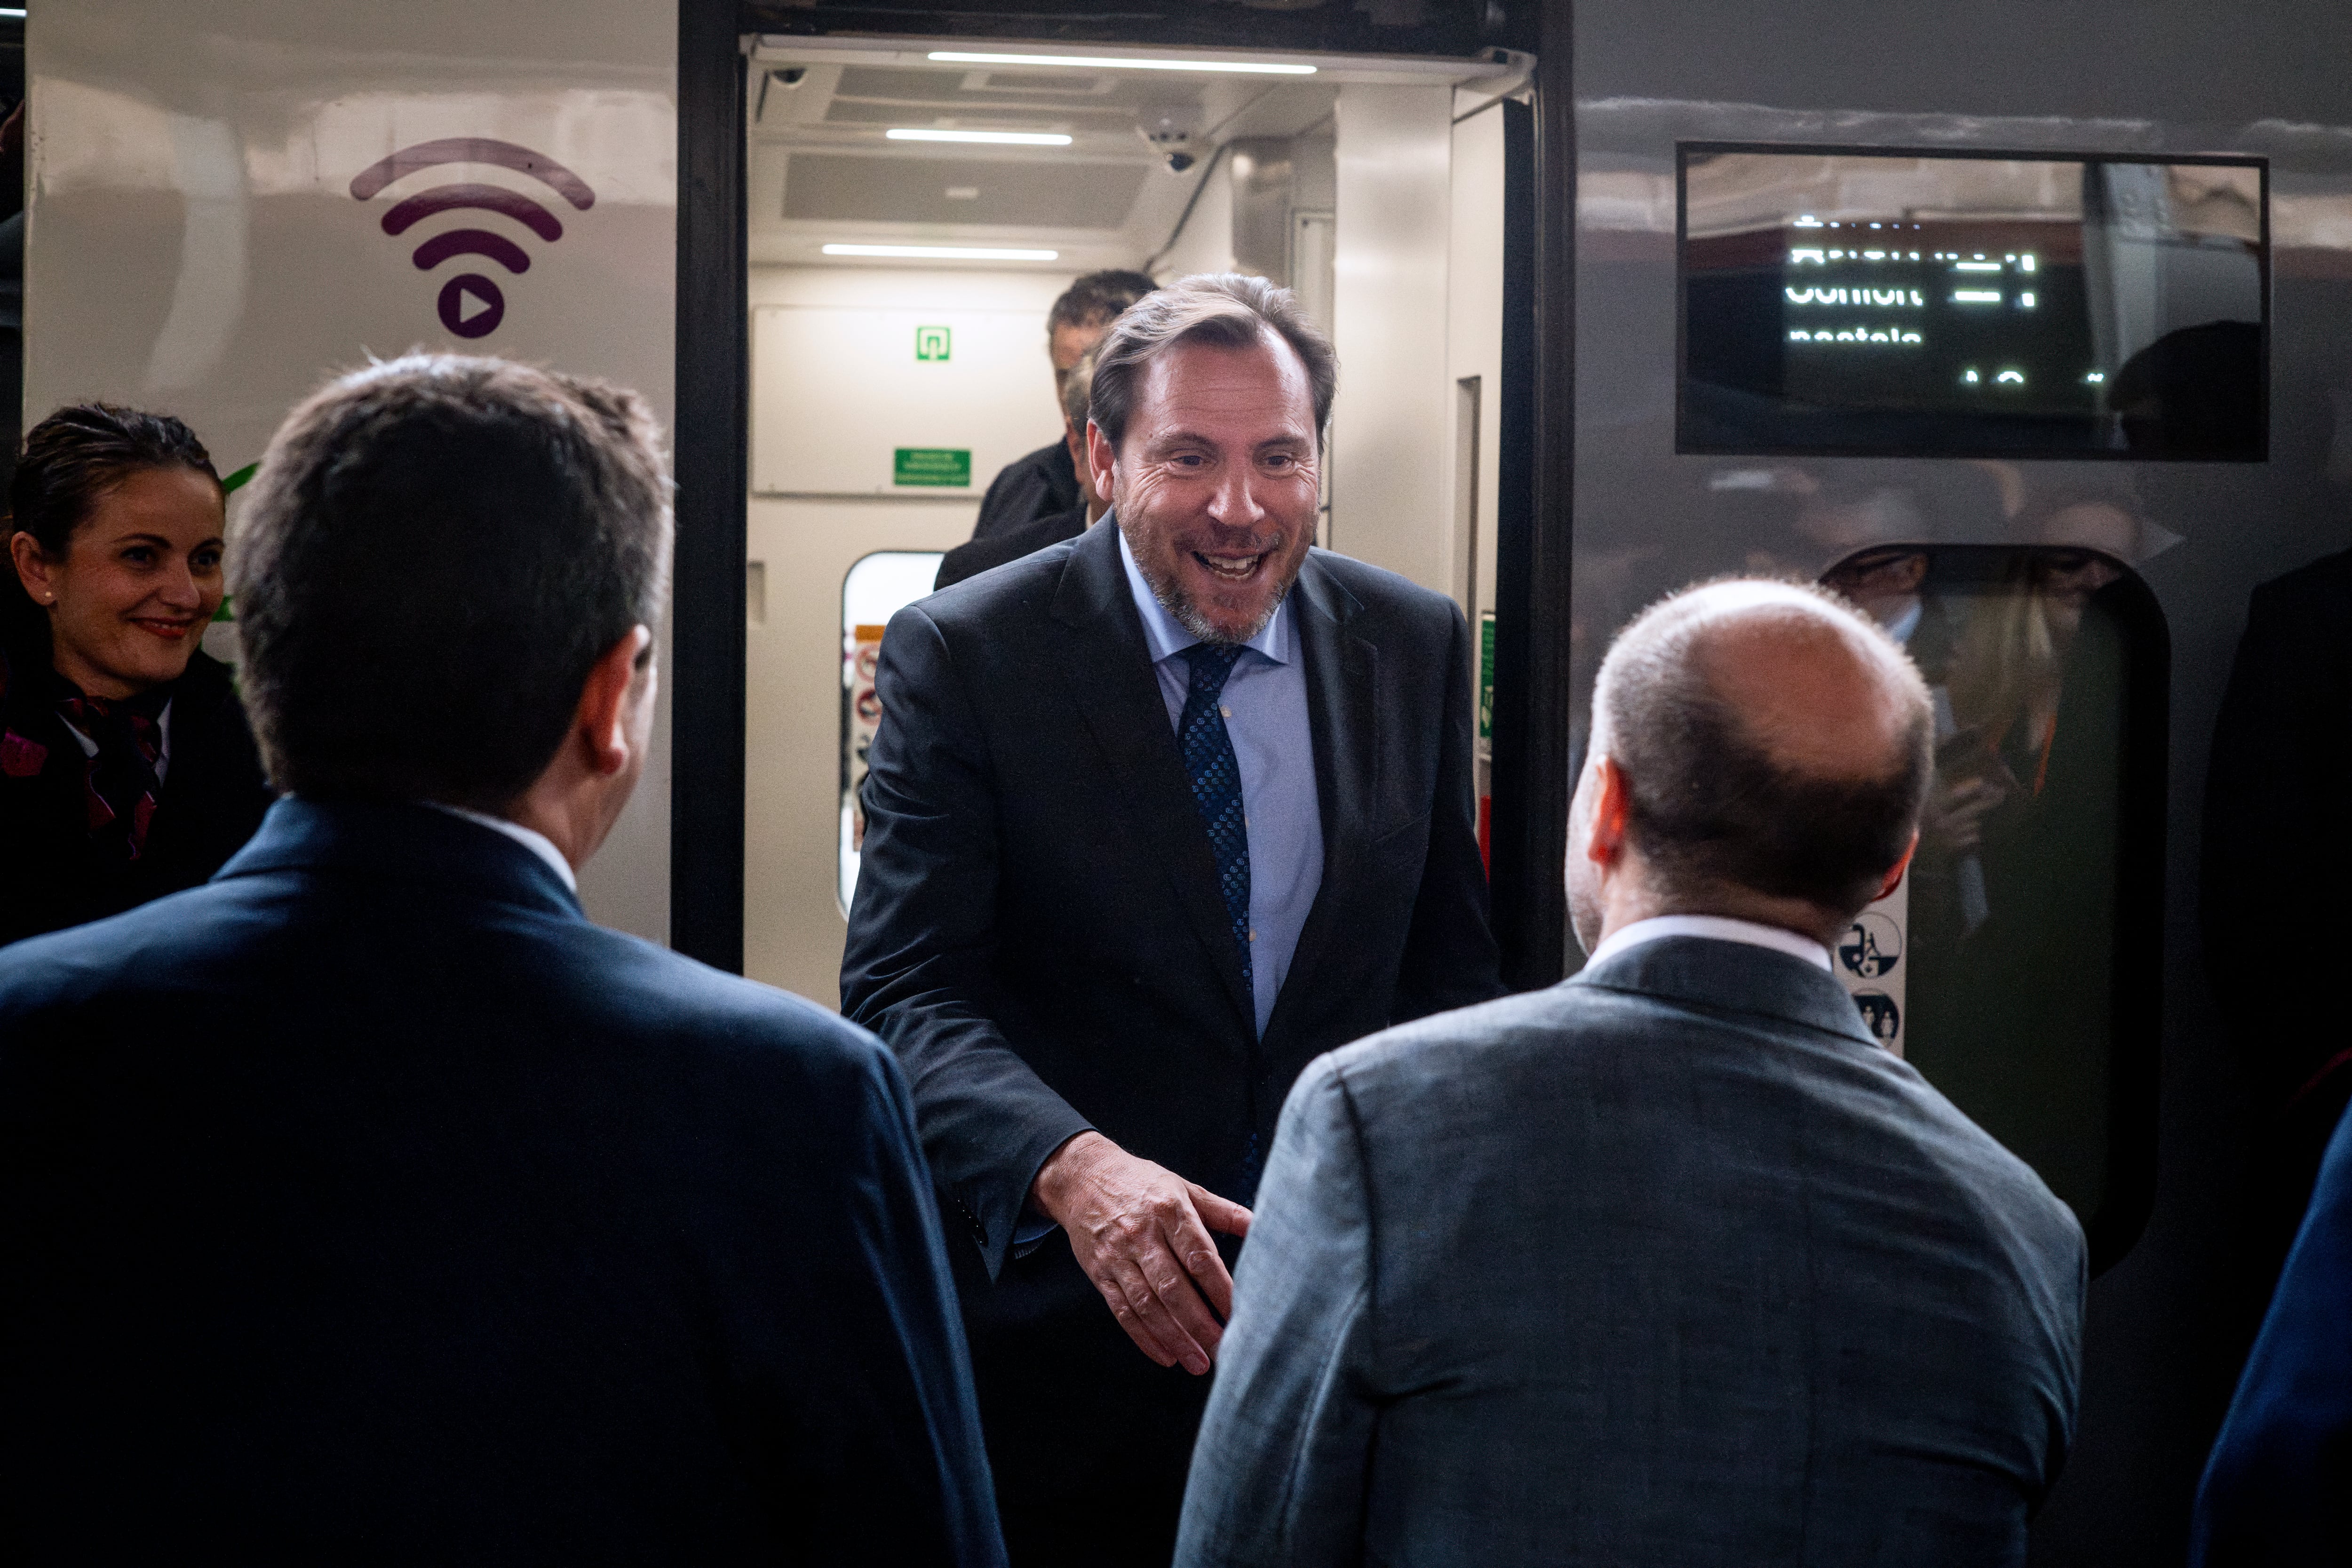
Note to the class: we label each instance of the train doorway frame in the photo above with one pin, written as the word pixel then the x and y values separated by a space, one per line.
pixel 1532 779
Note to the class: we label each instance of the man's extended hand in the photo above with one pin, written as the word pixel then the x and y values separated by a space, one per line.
pixel 1141 1233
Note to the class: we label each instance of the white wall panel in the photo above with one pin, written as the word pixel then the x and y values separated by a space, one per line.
pixel 1392 426
pixel 1206 242
pixel 1474 350
pixel 196 245
pixel 805 544
pixel 838 389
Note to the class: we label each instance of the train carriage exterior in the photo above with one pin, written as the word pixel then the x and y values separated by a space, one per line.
pixel 1625 296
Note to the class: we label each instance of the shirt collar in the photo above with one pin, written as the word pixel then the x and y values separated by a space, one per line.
pixel 532 839
pixel 1721 927
pixel 1163 632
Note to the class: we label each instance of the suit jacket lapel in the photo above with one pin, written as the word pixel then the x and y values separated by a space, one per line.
pixel 1343 719
pixel 1109 668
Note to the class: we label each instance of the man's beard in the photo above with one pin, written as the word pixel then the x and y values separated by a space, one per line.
pixel 1179 603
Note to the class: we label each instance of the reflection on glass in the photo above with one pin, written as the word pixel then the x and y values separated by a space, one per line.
pixel 2011 912
pixel 877 586
pixel 1901 304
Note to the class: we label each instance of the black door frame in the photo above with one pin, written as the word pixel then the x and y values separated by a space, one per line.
pixel 711 454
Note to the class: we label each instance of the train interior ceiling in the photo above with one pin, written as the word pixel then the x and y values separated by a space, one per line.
pixel 910 219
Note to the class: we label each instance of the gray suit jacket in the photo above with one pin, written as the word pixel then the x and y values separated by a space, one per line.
pixel 1670 1264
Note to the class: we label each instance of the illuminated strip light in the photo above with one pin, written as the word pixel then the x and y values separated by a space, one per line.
pixel 944 252
pixel 1107 62
pixel 993 138
pixel 1976 296
pixel 1957 265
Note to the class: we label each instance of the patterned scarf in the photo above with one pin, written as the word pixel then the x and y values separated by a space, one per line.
pixel 121 783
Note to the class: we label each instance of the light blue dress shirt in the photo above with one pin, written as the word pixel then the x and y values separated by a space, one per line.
pixel 1265 703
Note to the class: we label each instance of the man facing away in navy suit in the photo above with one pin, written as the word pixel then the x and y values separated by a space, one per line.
pixel 370 1205
pixel 1671 1263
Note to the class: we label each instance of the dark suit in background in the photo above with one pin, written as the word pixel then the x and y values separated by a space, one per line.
pixel 371 1206
pixel 974 556
pixel 2277 1492
pixel 1041 484
pixel 2277 856
pixel 1038 932
pixel 1669 1264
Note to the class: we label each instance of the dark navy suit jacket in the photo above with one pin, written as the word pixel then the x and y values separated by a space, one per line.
pixel 1671 1264
pixel 370 1205
pixel 1038 932
pixel 2278 1489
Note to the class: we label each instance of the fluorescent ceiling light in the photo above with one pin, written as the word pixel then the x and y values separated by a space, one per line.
pixel 1000 138
pixel 1107 62
pixel 945 252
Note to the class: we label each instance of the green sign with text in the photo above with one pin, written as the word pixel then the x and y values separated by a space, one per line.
pixel 947 467
pixel 1487 675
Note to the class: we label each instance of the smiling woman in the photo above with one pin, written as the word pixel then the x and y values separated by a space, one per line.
pixel 126 768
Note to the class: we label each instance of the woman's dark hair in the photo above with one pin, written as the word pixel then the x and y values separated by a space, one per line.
pixel 70 460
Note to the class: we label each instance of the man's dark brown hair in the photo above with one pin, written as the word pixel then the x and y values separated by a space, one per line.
pixel 1228 309
pixel 436 551
pixel 1711 808
pixel 1095 297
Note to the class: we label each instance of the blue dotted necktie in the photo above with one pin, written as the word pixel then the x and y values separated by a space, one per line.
pixel 1216 776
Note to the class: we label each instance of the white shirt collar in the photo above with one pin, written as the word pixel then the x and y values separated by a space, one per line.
pixel 1161 629
pixel 536 842
pixel 162 741
pixel 1721 928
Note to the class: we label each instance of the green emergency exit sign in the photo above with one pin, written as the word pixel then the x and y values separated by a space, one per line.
pixel 1487 675
pixel 947 467
pixel 932 342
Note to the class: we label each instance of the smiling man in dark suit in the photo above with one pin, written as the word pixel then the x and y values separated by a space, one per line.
pixel 1155 817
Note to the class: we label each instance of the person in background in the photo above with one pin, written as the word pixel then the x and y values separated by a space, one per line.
pixel 1155 816
pixel 368 1204
pixel 1671 1263
pixel 974 556
pixel 2277 1490
pixel 2281 773
pixel 126 768
pixel 1046 483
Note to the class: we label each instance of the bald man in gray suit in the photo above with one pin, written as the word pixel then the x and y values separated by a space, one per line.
pixel 1671 1263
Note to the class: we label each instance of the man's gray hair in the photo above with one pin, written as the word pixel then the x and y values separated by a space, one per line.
pixel 1710 807
pixel 1229 309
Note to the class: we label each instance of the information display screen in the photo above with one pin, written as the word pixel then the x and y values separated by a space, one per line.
pixel 1910 303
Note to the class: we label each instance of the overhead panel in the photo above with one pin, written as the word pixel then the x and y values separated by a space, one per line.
pixel 836 187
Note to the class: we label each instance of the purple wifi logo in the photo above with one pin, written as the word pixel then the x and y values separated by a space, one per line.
pixel 472 306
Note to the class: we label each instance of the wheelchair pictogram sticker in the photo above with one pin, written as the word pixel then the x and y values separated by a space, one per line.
pixel 1872 946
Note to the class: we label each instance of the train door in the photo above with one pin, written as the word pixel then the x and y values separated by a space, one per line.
pixel 913 208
